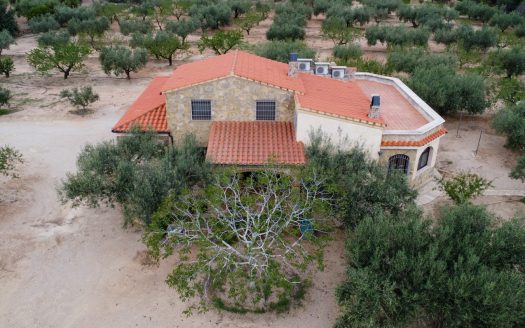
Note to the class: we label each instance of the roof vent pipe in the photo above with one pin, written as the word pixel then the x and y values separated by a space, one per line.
pixel 375 104
pixel 293 65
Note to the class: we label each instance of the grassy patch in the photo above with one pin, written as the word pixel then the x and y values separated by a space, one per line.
pixel 5 111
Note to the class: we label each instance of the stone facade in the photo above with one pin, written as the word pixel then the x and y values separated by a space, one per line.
pixel 232 99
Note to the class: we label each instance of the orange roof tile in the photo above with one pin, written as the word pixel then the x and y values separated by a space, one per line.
pixel 413 143
pixel 397 112
pixel 238 63
pixel 343 98
pixel 254 143
pixel 148 111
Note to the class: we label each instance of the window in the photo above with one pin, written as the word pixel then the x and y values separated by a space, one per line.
pixel 423 159
pixel 398 162
pixel 201 110
pixel 265 110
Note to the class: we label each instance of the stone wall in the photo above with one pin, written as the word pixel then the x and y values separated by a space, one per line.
pixel 232 99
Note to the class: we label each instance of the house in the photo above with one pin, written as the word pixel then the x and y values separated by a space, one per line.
pixel 247 110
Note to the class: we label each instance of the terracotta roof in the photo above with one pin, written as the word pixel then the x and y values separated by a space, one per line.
pixel 148 111
pixel 397 112
pixel 336 97
pixel 234 63
pixel 414 143
pixel 254 143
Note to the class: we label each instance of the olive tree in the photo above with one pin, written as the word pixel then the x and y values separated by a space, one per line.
pixel 5 96
pixel 463 187
pixel 335 28
pixel 44 23
pixel 462 271
pixel 65 57
pixel 122 60
pixel 129 26
pixel 512 60
pixel 248 21
pixel 91 27
pixel 182 28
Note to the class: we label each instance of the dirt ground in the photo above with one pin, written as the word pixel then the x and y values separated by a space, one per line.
pixel 63 267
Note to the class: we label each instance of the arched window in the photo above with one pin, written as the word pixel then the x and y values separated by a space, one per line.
pixel 423 159
pixel 398 162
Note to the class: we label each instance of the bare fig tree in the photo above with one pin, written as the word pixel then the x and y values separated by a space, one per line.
pixel 244 243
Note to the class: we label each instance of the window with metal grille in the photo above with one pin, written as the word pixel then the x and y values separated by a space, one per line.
pixel 398 162
pixel 423 159
pixel 201 110
pixel 265 110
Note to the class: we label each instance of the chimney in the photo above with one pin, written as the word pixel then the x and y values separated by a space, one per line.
pixel 375 103
pixel 293 65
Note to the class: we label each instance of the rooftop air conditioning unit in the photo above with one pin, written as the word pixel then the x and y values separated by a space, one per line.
pixel 338 72
pixel 322 68
pixel 305 65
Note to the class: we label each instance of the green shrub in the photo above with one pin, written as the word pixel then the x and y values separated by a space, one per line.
pixel 280 50
pixel 6 66
pixel 503 20
pixel 5 96
pixel 211 16
pixel 81 98
pixel 512 60
pixel 283 31
pixel 480 39
pixel 511 90
pixel 8 19
pixel 33 8
pixel 5 40
pixel 397 36
pixel 53 38
pixel 411 59
pixel 463 187
pixel 9 158
pixel 183 28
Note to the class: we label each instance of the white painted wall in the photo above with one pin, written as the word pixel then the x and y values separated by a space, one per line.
pixel 346 133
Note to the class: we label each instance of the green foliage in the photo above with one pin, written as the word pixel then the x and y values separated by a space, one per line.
pixel 352 16
pixel 183 28
pixel 5 40
pixel 221 41
pixel 476 10
pixel 347 52
pixel 433 17
pixel 130 26
pixel 66 57
pixel 110 10
pixel 462 272
pixel 263 8
pixel 247 22
pixel 239 7
pixel 511 121
pixel 9 158
pixel 80 98
pixel 503 20
pixel 180 8
pixel 5 96
pixel 43 23
pixel 519 30
pixel 480 39
pixel 163 44
pixel 447 92
pixel 122 60
pixel 136 172
pixel 53 38
pixel 407 60
pixel 64 14
pixel 93 28
pixel 511 90
pixel 289 22
pixel 33 8
pixel 321 6
pixel 359 186
pixel 463 187
pixel 397 36
pixel 280 50
pixel 217 231
pixel 381 9
pixel 211 16
pixel 335 28
pixel 6 66
pixel 512 60
pixel 446 36
pixel 8 19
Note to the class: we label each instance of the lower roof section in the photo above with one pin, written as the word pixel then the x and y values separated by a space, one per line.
pixel 254 143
